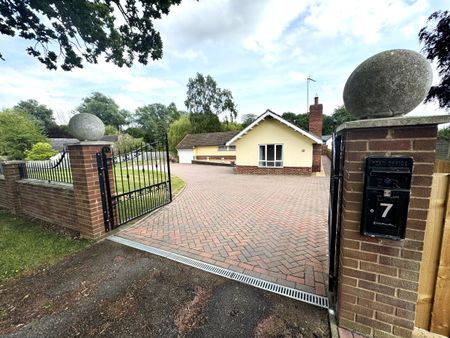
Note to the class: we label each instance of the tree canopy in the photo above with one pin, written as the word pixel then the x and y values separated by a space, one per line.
pixel 205 123
pixel 67 32
pixel 178 130
pixel 444 133
pixel 436 39
pixel 204 96
pixel 104 108
pixel 18 133
pixel 248 119
pixel 42 114
pixel 300 120
pixel 341 115
pixel 154 119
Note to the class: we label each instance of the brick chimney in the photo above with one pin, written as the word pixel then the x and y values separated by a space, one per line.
pixel 315 127
pixel 315 117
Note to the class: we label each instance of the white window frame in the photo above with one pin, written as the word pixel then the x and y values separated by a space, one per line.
pixel 226 148
pixel 275 161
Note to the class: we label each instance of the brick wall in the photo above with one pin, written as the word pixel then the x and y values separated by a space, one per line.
pixel 3 198
pixel 240 169
pixel 8 190
pixel 315 127
pixel 317 158
pixel 378 278
pixel 76 206
pixel 50 202
pixel 88 204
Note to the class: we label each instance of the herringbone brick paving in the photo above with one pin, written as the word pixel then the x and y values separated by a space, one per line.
pixel 271 227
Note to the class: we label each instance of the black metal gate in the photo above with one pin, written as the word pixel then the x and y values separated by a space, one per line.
pixel 133 182
pixel 334 214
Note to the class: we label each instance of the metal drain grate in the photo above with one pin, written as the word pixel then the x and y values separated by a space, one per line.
pixel 256 282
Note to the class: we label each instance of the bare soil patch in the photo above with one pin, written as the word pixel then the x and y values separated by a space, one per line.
pixel 112 290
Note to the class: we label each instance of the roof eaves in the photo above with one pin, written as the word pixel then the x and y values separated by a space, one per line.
pixel 268 112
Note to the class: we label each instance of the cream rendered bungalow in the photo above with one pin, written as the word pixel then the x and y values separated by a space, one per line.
pixel 270 145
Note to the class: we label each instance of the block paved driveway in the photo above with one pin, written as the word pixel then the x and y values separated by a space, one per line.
pixel 271 227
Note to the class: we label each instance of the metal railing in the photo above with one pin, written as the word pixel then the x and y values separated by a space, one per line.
pixel 53 170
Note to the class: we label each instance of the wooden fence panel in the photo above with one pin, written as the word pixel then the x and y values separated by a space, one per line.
pixel 432 249
pixel 440 317
pixel 442 166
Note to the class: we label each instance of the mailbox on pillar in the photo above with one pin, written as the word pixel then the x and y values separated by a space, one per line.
pixel 387 186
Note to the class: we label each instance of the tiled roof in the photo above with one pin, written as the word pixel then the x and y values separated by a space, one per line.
pixel 206 139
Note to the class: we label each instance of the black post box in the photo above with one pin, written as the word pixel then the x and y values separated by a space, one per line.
pixel 387 185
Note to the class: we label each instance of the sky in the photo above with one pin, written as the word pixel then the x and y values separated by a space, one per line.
pixel 262 51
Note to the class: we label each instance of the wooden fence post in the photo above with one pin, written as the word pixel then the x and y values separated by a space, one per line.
pixel 431 249
pixel 440 317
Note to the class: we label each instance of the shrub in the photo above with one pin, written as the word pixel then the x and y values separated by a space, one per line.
pixel 40 151
pixel 111 130
pixel 127 143
pixel 17 133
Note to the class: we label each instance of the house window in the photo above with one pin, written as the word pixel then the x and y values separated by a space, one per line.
pixel 271 155
pixel 227 148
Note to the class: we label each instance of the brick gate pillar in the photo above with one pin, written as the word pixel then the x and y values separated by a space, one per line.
pixel 11 174
pixel 378 278
pixel 86 187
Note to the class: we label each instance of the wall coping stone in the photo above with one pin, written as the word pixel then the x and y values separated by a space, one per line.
pixel 395 122
pixel 42 183
pixel 13 162
pixel 90 143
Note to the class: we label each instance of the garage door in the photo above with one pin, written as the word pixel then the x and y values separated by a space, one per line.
pixel 185 155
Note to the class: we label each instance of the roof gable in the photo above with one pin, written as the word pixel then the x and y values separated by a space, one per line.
pixel 205 139
pixel 277 117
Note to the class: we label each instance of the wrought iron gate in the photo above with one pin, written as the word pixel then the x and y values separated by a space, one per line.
pixel 334 213
pixel 133 182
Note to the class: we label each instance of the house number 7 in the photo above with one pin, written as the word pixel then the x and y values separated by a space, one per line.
pixel 388 207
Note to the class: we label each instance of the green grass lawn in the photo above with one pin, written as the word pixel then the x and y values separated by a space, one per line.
pixel 25 246
pixel 138 204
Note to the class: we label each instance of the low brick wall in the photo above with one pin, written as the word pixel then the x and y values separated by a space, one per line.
pixel 76 206
pixel 3 198
pixel 254 170
pixel 216 158
pixel 49 202
pixel 219 164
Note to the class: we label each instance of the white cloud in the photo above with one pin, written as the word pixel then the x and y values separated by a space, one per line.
pixel 296 77
pixel 364 20
pixel 141 84
pixel 261 50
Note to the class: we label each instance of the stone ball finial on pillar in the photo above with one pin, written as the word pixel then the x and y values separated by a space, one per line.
pixel 86 127
pixel 388 84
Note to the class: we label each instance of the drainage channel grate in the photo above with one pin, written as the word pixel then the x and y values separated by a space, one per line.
pixel 256 282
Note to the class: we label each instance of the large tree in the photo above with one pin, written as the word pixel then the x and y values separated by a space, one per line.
pixel 69 32
pixel 104 108
pixel 205 123
pixel 18 133
pixel 42 114
pixel 436 39
pixel 205 97
pixel 154 119
pixel 248 119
